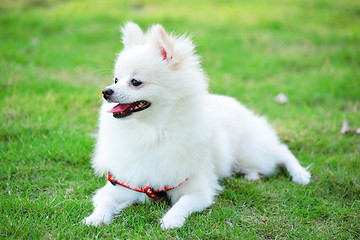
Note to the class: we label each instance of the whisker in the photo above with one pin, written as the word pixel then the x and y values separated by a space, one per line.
pixel 101 72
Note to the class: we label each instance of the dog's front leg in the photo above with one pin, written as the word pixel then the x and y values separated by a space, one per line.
pixel 186 205
pixel 108 201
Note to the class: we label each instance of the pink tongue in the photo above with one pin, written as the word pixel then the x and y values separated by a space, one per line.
pixel 119 108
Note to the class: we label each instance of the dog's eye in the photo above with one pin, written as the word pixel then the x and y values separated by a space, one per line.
pixel 115 80
pixel 136 83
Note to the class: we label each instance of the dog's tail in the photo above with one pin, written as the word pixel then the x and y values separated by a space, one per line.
pixel 298 173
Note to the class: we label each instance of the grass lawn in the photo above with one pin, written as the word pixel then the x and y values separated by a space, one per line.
pixel 56 55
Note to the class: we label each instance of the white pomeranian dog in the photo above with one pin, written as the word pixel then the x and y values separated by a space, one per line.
pixel 161 133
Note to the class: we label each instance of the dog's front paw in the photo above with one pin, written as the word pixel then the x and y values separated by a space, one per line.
pixel 170 222
pixel 252 176
pixel 95 220
pixel 302 177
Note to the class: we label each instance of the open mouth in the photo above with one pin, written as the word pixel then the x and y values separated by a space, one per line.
pixel 126 109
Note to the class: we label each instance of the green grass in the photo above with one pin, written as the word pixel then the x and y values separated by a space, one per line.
pixel 56 55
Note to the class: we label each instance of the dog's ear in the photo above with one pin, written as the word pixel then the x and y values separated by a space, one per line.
pixel 163 41
pixel 132 34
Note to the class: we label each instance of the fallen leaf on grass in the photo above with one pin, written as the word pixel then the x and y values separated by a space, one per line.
pixel 281 98
pixel 345 127
pixel 229 224
pixel 346 130
pixel 69 190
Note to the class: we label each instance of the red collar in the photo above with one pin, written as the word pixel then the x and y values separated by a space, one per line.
pixel 160 193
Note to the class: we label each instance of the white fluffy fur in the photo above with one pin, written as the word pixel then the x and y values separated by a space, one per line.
pixel 186 133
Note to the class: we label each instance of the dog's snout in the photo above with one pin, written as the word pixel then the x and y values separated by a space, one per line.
pixel 107 92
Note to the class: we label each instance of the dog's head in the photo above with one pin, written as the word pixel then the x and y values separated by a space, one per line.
pixel 153 73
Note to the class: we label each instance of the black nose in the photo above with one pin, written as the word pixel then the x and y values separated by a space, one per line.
pixel 107 92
